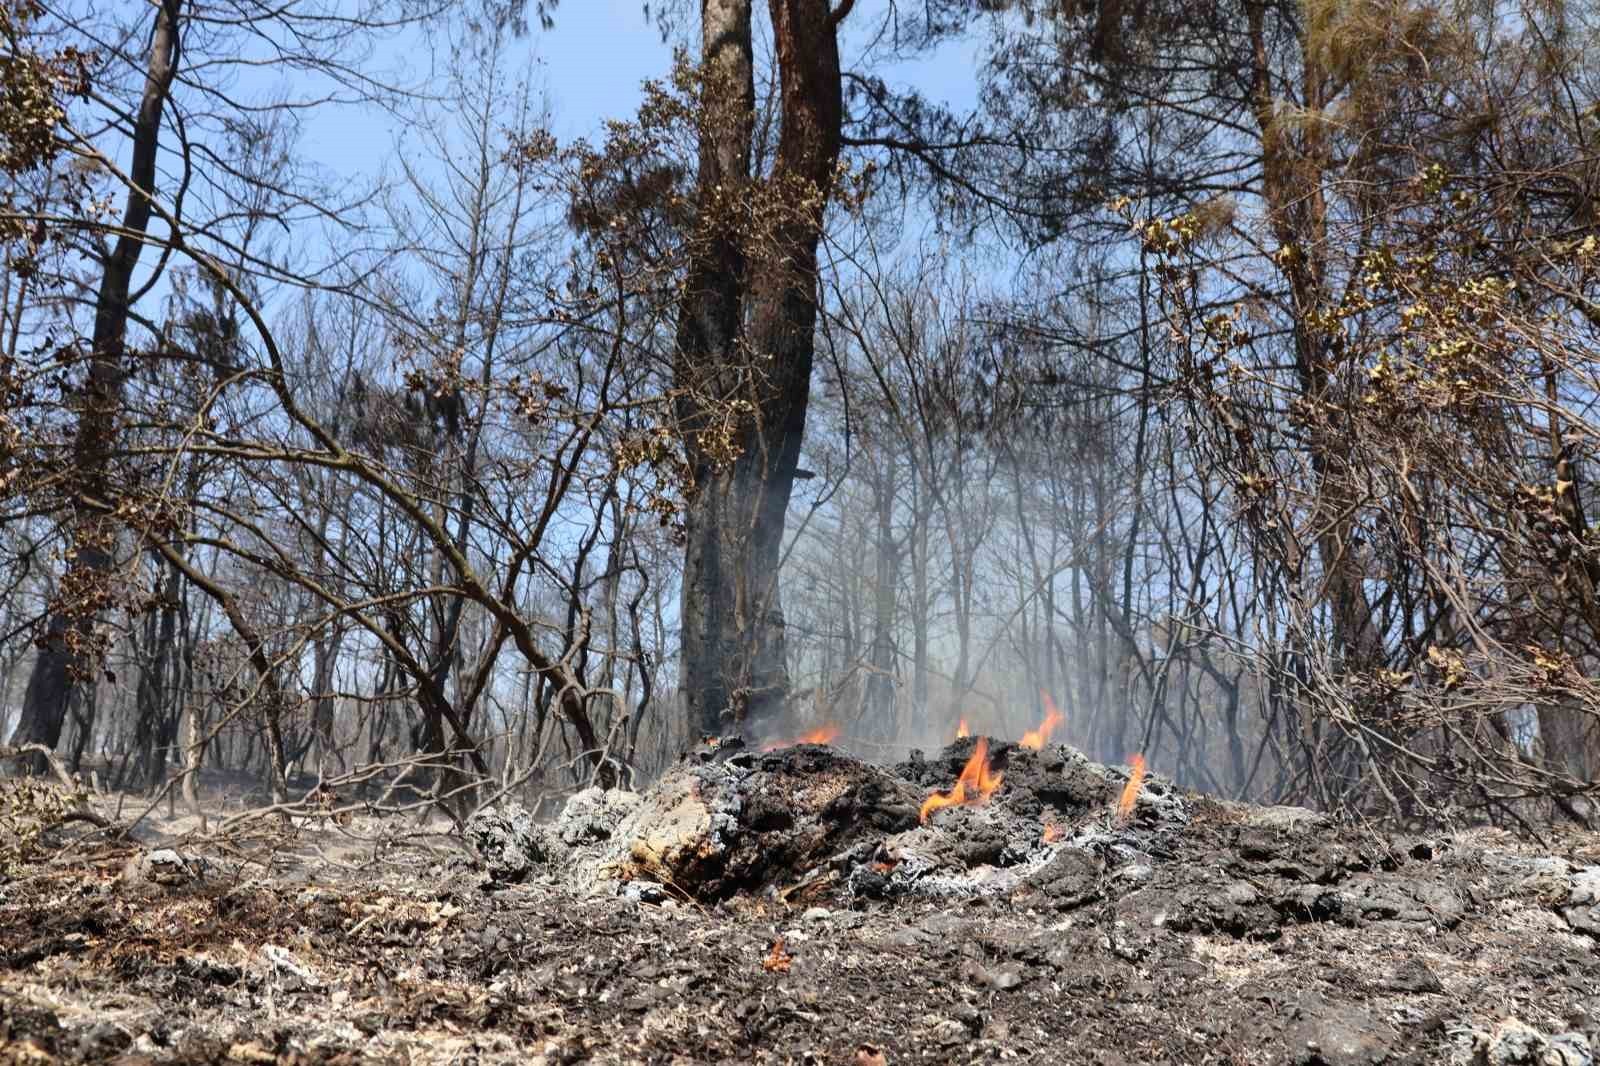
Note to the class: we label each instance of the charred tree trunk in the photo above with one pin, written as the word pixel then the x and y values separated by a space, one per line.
pixel 156 704
pixel 705 367
pixel 1293 176
pixel 66 650
pixel 880 695
pixel 745 347
pixel 272 693
pixel 1570 732
pixel 921 606
pixel 325 655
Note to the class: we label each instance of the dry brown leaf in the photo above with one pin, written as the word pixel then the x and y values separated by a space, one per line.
pixel 870 1055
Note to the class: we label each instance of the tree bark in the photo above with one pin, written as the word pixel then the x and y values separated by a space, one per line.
pixel 66 650
pixel 880 694
pixel 273 696
pixel 745 334
pixel 157 704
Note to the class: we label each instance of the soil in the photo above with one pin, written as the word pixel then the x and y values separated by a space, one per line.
pixel 1197 932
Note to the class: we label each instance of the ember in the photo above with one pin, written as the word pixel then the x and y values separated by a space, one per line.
pixel 826 734
pixel 1130 791
pixel 1053 831
pixel 778 960
pixel 1036 738
pixel 973 788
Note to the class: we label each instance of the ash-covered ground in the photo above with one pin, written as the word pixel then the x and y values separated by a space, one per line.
pixel 792 907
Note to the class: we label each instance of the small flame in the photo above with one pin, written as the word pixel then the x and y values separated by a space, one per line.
pixel 1053 831
pixel 1036 738
pixel 962 730
pixel 825 734
pixel 973 788
pixel 778 959
pixel 1130 791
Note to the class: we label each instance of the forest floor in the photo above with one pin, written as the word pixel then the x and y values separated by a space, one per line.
pixel 372 942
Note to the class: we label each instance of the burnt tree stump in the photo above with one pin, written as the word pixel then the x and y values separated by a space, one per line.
pixel 738 821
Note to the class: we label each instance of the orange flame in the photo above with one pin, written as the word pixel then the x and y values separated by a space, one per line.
pixel 1036 738
pixel 962 730
pixel 973 788
pixel 1130 791
pixel 778 959
pixel 825 734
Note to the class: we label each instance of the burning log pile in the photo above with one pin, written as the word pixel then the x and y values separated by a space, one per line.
pixel 726 820
pixel 808 822
pixel 1039 820
pixel 1037 824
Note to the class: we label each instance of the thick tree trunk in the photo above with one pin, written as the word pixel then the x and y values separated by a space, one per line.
pixel 745 338
pixel 705 363
pixel 66 651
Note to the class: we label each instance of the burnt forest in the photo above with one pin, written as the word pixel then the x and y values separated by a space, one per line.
pixel 814 533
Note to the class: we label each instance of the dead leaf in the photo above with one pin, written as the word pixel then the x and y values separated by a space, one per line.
pixel 870 1055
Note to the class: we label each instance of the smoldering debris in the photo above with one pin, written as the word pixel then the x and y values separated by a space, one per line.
pixel 795 905
pixel 812 821
pixel 812 825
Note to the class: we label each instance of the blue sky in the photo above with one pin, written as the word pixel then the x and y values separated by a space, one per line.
pixel 600 50
pixel 594 60
pixel 590 66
